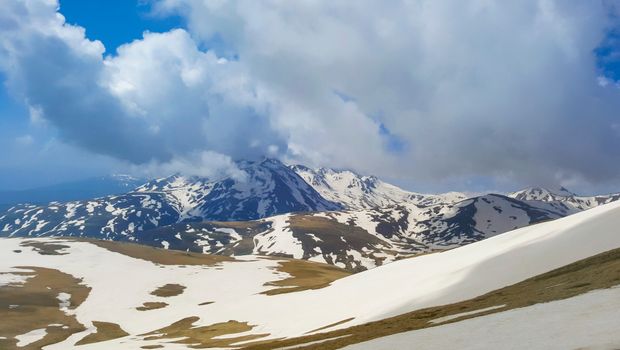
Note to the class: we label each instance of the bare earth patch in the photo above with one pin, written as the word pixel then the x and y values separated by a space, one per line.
pixel 169 290
pixel 149 305
pixel 161 256
pixel 331 325
pixel 203 336
pixel 46 248
pixel 336 239
pixel 304 275
pixel 36 305
pixel 597 272
pixel 105 331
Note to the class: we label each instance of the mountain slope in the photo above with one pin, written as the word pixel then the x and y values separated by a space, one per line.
pixel 563 199
pixel 228 295
pixel 268 188
pixel 594 325
pixel 355 239
pixel 355 191
pixel 271 210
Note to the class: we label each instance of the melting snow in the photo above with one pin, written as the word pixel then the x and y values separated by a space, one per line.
pixel 278 239
pixel 587 321
pixel 30 337
pixel 404 285
pixel 64 301
pixel 463 314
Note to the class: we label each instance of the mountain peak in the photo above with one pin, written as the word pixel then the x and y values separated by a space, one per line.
pixel 542 193
pixel 357 191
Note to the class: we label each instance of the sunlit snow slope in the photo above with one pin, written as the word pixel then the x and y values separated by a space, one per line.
pixel 120 283
pixel 588 321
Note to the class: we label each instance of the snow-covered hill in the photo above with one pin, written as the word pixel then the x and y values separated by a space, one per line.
pixel 355 191
pixel 594 324
pixel 180 300
pixel 563 199
pixel 351 239
pixel 338 217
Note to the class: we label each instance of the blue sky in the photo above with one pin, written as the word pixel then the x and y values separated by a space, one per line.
pixel 460 96
pixel 116 22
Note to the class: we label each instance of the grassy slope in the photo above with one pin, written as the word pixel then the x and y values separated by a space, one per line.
pixel 40 305
pixel 597 272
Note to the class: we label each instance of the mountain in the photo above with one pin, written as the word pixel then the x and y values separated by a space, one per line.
pixel 107 295
pixel 267 188
pixel 330 216
pixel 355 191
pixel 563 199
pixel 70 191
pixel 352 239
pixel 270 188
pixel 356 239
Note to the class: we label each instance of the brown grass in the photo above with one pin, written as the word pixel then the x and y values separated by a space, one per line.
pixel 45 248
pixel 597 272
pixel 169 290
pixel 331 325
pixel 39 307
pixel 331 233
pixel 159 255
pixel 150 305
pixel 203 336
pixel 304 275
pixel 105 331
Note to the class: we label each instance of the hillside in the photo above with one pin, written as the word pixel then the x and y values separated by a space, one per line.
pixel 218 301
pixel 267 188
pixel 351 239
pixel 356 191
pixel 562 199
pixel 330 216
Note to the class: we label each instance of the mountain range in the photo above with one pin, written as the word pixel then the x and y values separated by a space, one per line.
pixel 556 282
pixel 325 215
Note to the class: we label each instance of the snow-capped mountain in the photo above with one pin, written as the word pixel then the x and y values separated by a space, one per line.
pixel 109 295
pixel 182 193
pixel 267 188
pixel 356 191
pixel 264 188
pixel 357 239
pixel 338 217
pixel 351 239
pixel 563 199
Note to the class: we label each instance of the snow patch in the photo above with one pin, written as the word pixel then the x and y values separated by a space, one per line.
pixel 30 337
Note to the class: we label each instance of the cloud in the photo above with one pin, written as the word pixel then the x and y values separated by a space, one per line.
pixel 419 89
pixel 492 88
pixel 207 164
pixel 58 71
pixel 158 99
